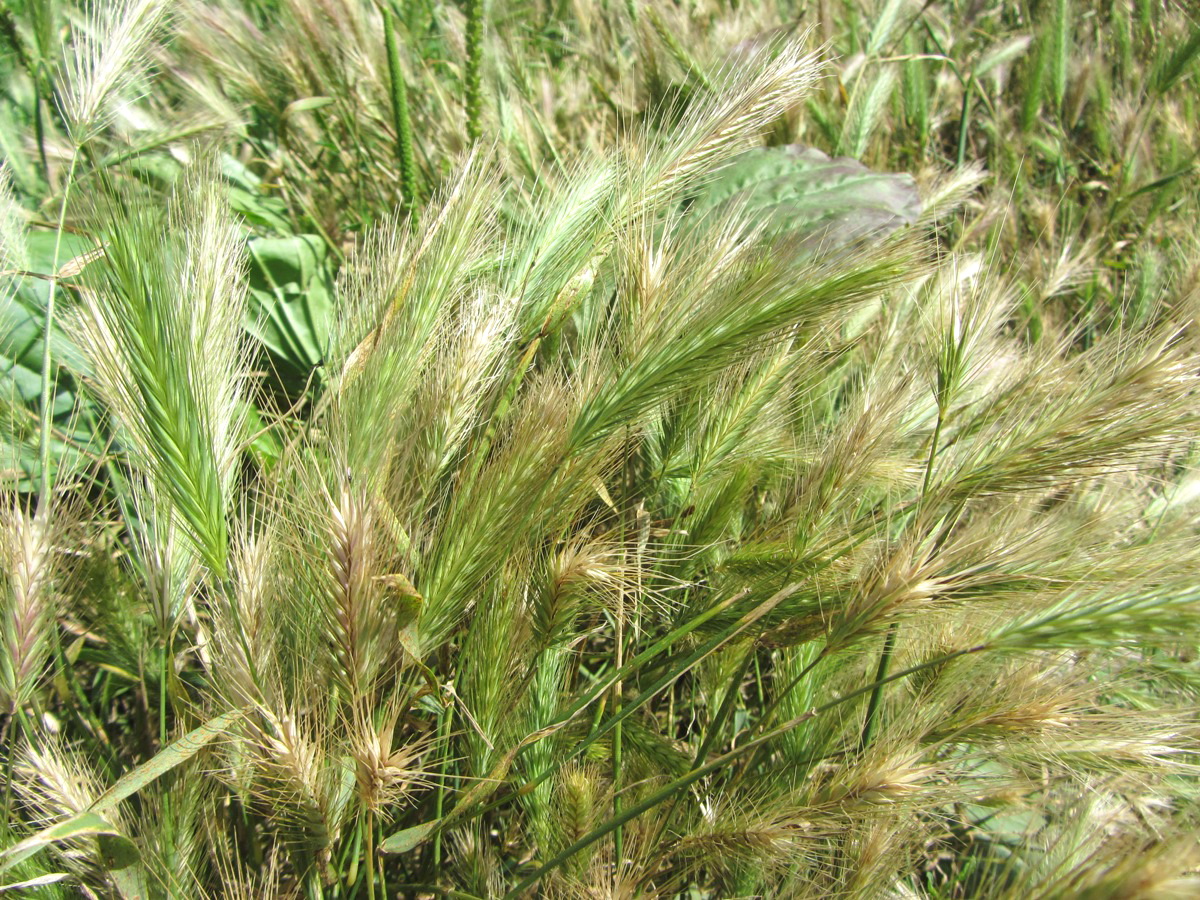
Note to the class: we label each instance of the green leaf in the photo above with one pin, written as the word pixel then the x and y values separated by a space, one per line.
pixel 291 303
pixel 800 190
pixel 247 198
pixel 85 824
pixel 266 447
pixel 22 327
pixel 403 841
pixel 89 821
pixel 117 851
pixel 165 760
pixel 40 881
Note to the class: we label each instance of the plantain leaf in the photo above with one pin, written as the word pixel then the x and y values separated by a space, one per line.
pixel 291 304
pixel 117 851
pixel 22 330
pixel 797 190
pixel 248 198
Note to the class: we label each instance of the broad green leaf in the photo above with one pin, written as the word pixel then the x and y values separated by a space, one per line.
pixel 248 199
pixel 800 191
pixel 117 851
pixel 22 327
pixel 291 303
pixel 266 446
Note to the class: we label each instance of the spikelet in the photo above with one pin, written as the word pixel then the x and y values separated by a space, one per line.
pixel 25 545
pixel 56 783
pixel 571 575
pixel 355 618
pixel 293 780
pixel 162 334
pixel 387 775
pixel 12 228
pixel 110 52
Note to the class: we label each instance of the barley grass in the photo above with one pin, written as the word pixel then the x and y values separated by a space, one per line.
pixel 634 534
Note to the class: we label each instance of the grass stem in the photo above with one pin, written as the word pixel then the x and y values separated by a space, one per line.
pixel 47 394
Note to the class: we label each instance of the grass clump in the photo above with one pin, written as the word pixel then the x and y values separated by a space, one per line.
pixel 516 452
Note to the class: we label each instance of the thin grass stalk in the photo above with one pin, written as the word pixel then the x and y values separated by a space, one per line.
pixel 768 715
pixel 443 739
pixel 873 702
pixel 710 735
pixel 697 773
pixel 597 731
pixel 618 732
pixel 889 642
pixel 39 118
pixel 47 410
pixel 1061 59
pixel 370 854
pixel 964 121
pixel 618 754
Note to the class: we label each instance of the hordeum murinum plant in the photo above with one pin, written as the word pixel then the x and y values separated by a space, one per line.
pixel 671 505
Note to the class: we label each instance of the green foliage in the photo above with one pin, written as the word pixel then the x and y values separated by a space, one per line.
pixel 291 304
pixel 22 313
pixel 569 450
pixel 801 191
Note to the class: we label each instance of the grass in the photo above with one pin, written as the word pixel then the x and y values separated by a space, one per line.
pixel 494 451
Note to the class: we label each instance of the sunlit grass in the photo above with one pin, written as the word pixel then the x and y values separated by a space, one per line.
pixel 580 451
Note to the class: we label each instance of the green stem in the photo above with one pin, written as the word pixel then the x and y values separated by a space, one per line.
pixel 162 691
pixel 933 449
pixel 443 743
pixel 39 123
pixel 697 773
pixel 598 731
pixel 768 715
pixel 47 388
pixel 714 728
pixel 889 642
pixel 885 660
pixel 370 856
pixel 618 731
pixel 962 125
